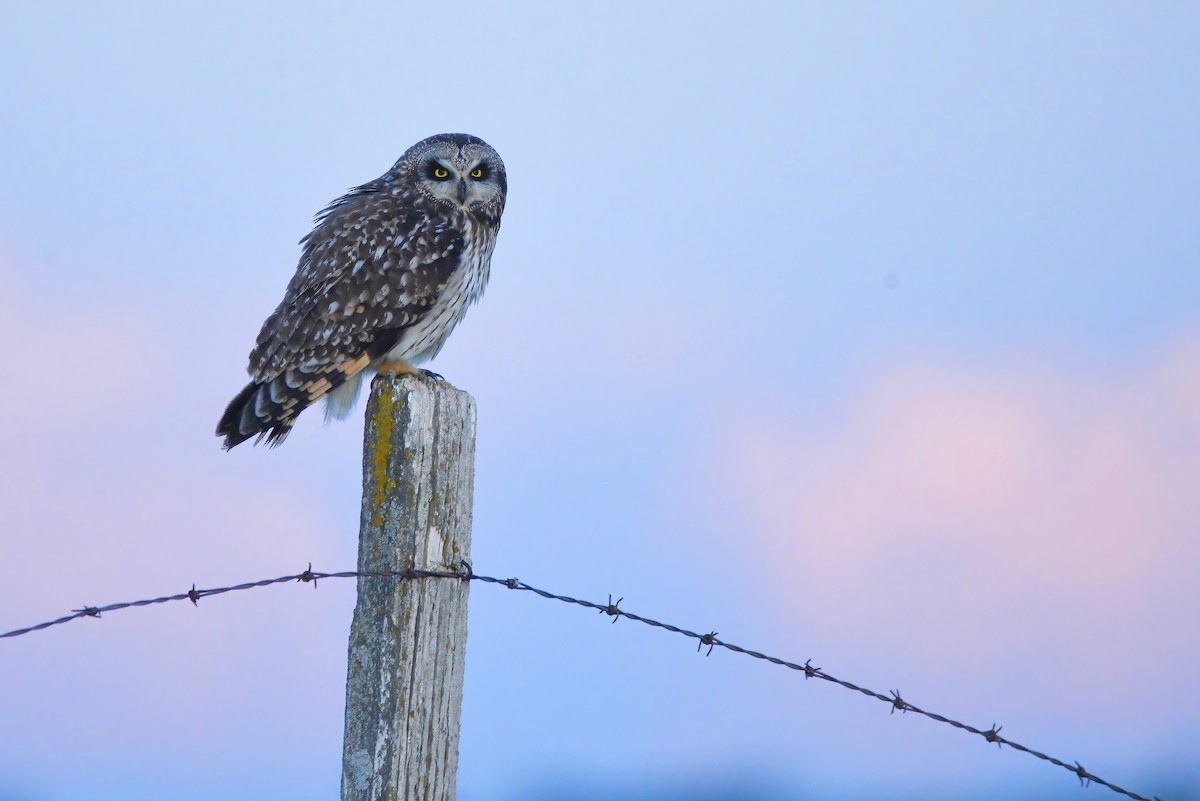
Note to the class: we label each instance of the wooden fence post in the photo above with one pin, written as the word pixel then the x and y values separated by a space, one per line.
pixel 407 642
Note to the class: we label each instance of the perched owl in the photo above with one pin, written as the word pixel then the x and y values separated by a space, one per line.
pixel 385 275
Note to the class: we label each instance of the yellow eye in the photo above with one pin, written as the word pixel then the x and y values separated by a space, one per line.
pixel 441 172
pixel 477 172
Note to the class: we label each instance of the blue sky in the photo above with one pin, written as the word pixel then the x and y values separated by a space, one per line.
pixel 861 332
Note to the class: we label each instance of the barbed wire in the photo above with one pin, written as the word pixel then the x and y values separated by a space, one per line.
pixel 613 609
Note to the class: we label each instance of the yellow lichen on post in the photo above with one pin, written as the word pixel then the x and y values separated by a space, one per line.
pixel 383 421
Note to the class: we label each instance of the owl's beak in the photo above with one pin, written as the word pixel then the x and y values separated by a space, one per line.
pixel 462 191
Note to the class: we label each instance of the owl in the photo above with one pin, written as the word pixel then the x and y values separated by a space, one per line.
pixel 386 274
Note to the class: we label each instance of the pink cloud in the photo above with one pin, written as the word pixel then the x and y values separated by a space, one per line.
pixel 978 519
pixel 113 488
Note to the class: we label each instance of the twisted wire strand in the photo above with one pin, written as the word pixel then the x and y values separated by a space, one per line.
pixel 612 609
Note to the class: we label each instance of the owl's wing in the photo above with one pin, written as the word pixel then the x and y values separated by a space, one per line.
pixel 367 272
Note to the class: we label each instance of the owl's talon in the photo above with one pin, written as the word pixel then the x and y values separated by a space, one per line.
pixel 433 375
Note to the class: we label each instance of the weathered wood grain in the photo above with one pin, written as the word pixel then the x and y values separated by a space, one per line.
pixel 408 638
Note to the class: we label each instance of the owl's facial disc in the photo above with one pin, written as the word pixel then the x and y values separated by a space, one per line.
pixel 461 176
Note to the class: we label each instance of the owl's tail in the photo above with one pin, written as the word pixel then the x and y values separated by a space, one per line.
pixel 256 411
pixel 269 409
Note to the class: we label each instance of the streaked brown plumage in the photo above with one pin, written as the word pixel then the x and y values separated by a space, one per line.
pixel 384 276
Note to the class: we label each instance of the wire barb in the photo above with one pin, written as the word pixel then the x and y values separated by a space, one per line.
pixel 613 609
pixel 466 573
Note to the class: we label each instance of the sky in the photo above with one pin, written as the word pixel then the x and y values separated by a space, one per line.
pixel 863 333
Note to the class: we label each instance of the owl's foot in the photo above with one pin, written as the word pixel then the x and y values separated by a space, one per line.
pixel 394 368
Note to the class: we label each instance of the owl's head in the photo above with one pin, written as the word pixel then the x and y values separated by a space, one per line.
pixel 457 169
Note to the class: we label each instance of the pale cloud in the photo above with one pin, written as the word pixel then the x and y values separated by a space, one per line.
pixel 971 516
pixel 69 361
